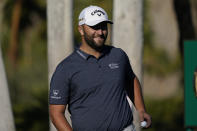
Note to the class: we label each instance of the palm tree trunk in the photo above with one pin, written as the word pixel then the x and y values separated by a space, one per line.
pixel 128 34
pixel 60 35
pixel 128 31
pixel 13 49
pixel 7 120
pixel 193 4
pixel 185 24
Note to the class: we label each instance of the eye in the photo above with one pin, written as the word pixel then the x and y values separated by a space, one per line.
pixel 102 26
pixel 96 27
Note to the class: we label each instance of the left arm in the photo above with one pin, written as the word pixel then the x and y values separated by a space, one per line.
pixel 139 103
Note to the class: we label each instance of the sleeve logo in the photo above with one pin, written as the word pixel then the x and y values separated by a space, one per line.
pixel 55 94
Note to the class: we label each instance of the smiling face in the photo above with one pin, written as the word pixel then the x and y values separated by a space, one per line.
pixel 94 36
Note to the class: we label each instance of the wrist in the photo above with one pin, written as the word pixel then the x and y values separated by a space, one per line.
pixel 141 110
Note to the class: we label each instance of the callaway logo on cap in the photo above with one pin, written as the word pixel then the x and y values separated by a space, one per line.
pixel 93 15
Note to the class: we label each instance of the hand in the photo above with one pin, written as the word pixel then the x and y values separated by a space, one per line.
pixel 145 117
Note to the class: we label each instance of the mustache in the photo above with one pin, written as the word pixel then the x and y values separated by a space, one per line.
pixel 101 36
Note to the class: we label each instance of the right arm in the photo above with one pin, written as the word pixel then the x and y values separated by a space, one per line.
pixel 58 118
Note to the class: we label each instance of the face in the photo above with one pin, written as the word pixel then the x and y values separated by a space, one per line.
pixel 95 36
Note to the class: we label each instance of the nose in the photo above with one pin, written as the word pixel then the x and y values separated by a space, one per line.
pixel 99 31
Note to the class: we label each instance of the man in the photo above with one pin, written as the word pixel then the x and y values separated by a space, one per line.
pixel 94 82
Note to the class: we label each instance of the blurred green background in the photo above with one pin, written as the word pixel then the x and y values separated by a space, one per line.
pixel 24 46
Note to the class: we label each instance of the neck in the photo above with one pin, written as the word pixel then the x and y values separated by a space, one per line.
pixel 89 50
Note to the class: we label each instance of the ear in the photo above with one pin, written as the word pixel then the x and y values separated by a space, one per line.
pixel 80 29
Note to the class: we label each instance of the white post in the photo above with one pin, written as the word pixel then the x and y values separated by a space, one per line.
pixel 128 31
pixel 60 35
pixel 7 120
pixel 128 35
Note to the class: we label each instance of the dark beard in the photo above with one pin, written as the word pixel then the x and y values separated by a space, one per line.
pixel 92 44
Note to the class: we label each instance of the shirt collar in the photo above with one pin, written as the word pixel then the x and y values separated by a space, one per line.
pixel 82 54
pixel 85 55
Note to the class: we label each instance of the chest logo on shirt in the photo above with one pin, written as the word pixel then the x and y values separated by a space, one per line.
pixel 113 65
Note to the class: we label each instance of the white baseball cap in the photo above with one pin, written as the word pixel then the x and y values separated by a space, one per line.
pixel 93 15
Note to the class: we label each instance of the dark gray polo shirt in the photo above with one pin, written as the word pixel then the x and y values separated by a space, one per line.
pixel 94 89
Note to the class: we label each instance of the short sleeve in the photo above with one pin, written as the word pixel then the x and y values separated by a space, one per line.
pixel 129 78
pixel 59 86
pixel 129 71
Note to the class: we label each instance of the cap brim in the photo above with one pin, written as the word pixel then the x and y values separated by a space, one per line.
pixel 93 23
